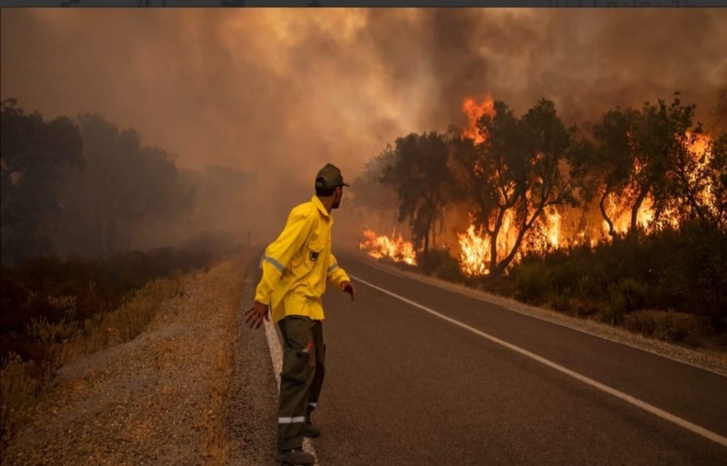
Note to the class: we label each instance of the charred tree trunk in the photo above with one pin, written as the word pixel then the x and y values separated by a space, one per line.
pixel 605 216
pixel 635 208
pixel 493 238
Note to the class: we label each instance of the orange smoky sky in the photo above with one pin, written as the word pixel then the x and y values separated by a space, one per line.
pixel 277 93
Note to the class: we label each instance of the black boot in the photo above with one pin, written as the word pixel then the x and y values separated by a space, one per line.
pixel 310 430
pixel 294 456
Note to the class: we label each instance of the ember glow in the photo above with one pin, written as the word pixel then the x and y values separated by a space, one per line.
pixel 393 247
pixel 700 149
pixel 474 111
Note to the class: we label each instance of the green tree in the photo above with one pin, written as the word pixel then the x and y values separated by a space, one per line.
pixel 422 177
pixel 35 156
pixel 124 187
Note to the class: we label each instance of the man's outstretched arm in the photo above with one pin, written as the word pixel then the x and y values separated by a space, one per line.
pixel 339 277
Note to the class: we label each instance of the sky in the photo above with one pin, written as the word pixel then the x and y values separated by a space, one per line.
pixel 277 93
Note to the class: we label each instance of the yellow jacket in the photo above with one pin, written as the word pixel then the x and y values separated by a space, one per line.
pixel 297 264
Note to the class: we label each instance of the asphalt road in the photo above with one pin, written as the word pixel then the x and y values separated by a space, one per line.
pixel 405 386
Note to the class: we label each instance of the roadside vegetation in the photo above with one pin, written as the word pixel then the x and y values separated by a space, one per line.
pixel 54 310
pixel 97 231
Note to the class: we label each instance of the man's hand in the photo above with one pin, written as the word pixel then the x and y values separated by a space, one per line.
pixel 347 287
pixel 255 315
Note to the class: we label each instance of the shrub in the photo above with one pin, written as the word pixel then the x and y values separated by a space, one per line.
pixel 624 296
pixel 675 327
pixel 532 283
pixel 51 344
pixel 77 290
pixel 439 263
pixel 136 312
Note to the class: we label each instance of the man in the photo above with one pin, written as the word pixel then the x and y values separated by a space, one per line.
pixel 295 268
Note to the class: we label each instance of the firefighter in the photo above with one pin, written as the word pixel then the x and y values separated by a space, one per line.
pixel 295 268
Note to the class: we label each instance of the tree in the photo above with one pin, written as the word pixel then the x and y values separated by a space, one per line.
pixel 421 175
pixel 518 171
pixel 124 187
pixel 35 156
pixel 613 160
pixel 647 154
pixel 661 153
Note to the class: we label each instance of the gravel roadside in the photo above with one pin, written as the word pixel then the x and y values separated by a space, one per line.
pixel 194 388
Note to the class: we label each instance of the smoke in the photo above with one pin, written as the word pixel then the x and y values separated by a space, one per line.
pixel 587 61
pixel 278 93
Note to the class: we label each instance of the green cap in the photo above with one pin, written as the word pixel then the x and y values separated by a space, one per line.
pixel 329 177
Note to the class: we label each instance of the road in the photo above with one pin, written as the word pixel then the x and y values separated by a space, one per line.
pixel 450 379
pixel 417 374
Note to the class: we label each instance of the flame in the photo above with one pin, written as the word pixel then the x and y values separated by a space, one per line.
pixel 700 149
pixel 474 111
pixel 475 255
pixel 701 143
pixel 552 229
pixel 393 247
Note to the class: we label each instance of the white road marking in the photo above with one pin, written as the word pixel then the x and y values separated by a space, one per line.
pixel 505 305
pixel 708 434
pixel 276 354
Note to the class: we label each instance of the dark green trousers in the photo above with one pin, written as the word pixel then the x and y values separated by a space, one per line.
pixel 302 377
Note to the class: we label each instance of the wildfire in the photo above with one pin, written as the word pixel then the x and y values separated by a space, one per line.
pixel 474 111
pixel 558 227
pixel 393 247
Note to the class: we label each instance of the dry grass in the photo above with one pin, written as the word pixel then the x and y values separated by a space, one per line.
pixel 21 382
pixel 130 319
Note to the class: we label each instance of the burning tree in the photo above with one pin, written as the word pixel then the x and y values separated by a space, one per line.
pixel 652 167
pixel 421 175
pixel 517 175
pixel 508 185
pixel 611 164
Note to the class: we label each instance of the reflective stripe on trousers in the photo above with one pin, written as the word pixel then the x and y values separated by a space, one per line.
pixel 291 420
